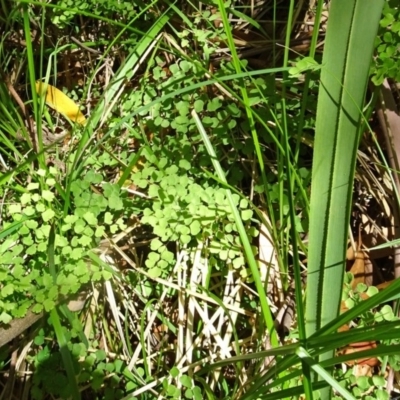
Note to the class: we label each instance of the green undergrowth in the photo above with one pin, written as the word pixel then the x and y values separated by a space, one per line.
pixel 169 193
pixel 31 216
pixel 386 64
pixel 135 205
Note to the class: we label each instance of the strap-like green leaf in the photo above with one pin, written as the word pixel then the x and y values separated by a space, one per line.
pixel 352 28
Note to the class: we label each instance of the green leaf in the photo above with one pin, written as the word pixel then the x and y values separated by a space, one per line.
pixel 90 218
pixel 387 312
pixel 155 272
pixel 115 203
pixel 186 381
pixel 387 20
pixel 37 308
pixel 167 256
pixel 381 394
pixel 36 197
pixel 238 262
pixel 32 186
pixel 15 209
pixel 80 268
pixel 108 218
pixel 305 64
pixel 47 195
pixel 348 51
pixel 188 394
pixel 223 255
pixel 22 309
pixel 40 207
pixel 77 253
pixel 29 211
pixel 79 226
pixel 5 318
pixel 114 228
pixel 53 293
pixel 363 382
pixel 197 393
pixel 97 276
pixel 66 250
pixel 48 215
pixel 378 380
pixel 99 231
pixel 93 177
pixel 107 275
pixel 85 240
pixel 61 241
pixel 25 198
pixel 110 190
pixel 48 305
pixel 184 164
pixel 246 214
pixel 7 290
pixel 31 250
pixel 47 280
pixel 71 219
pixel 155 244
pixel 174 372
pixel 121 224
pixel 100 355
pixel 199 105
pixel 195 227
pixel 31 224
pixel 50 181
pixel 243 204
pixel 24 230
pixel 185 239
pixel 214 104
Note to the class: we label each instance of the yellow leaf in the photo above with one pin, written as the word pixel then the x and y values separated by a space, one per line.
pixel 60 102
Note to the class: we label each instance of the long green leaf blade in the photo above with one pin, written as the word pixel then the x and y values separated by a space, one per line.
pixel 350 36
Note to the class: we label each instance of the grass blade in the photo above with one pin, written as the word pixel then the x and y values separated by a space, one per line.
pixel 266 312
pixel 305 356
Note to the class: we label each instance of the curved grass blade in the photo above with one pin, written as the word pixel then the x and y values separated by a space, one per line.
pixel 266 312
pixel 305 356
